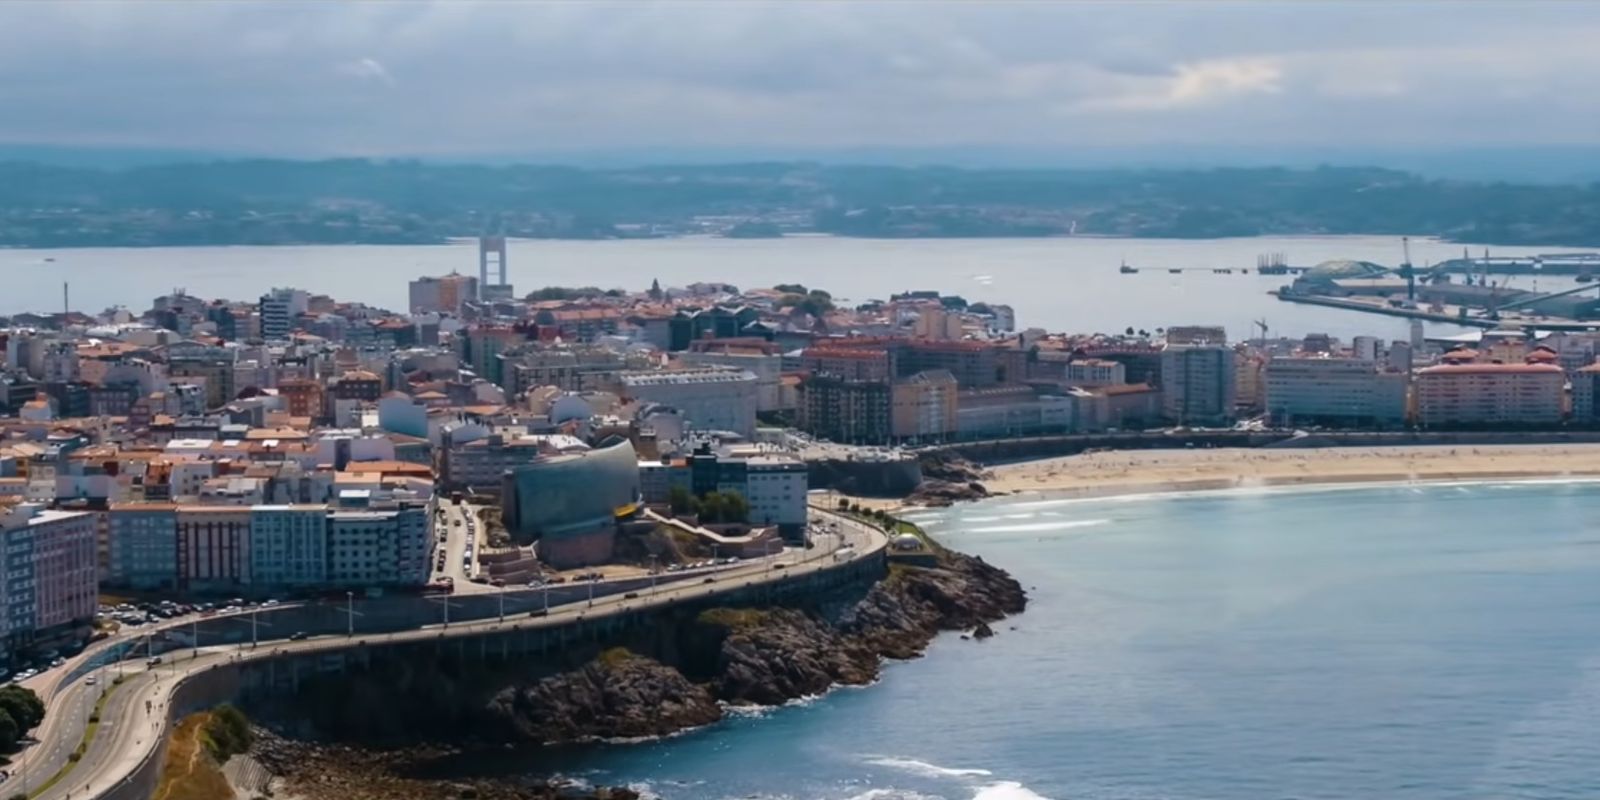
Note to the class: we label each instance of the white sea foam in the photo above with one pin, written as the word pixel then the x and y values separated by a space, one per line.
pixel 924 768
pixel 1040 526
pixel 644 790
pixel 892 794
pixel 1415 486
pixel 1007 790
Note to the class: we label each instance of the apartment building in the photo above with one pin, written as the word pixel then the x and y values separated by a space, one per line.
pixel 47 560
pixel 846 411
pixel 923 406
pixel 1197 382
pixel 289 545
pixel 142 545
pixel 1451 395
pixel 368 538
pixel 1333 391
pixel 712 399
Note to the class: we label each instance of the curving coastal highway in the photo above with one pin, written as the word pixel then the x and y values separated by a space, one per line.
pixel 133 721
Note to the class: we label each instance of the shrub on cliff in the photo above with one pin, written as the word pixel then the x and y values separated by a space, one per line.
pixel 732 618
pixel 227 732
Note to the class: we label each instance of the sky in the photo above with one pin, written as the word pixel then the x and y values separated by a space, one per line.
pixel 466 79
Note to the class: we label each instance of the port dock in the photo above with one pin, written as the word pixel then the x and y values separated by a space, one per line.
pixel 1452 315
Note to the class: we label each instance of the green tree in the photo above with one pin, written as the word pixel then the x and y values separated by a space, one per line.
pixel 9 732
pixel 681 501
pixel 711 504
pixel 791 288
pixel 735 508
pixel 24 707
pixel 815 302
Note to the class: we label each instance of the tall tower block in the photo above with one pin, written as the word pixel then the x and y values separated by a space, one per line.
pixel 491 249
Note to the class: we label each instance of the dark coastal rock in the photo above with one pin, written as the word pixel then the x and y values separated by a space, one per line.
pixel 618 695
pixel 786 654
pixel 939 493
pixel 323 771
pixel 949 467
pixel 765 656
pixel 903 613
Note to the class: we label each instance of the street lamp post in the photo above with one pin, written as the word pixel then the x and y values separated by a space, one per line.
pixel 253 637
pixel 194 631
pixel 655 569
pixel 591 582
pixel 546 587
pixel 501 595
pixel 350 606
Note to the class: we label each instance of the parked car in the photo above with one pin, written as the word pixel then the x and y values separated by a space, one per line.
pixel 298 636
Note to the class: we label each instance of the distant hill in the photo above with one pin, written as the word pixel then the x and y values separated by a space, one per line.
pixel 260 201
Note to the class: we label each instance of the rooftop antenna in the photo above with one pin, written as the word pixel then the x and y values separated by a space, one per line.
pixel 66 301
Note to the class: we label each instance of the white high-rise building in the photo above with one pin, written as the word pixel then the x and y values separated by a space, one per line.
pixel 1350 391
pixel 1365 347
pixel 279 308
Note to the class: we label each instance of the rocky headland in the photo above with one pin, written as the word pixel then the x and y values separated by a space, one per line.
pixel 755 656
pixel 678 674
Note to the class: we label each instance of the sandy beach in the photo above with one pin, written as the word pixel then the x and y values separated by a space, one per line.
pixel 1123 472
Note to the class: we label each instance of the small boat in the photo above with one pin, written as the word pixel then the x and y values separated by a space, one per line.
pixel 49 259
pixel 1175 271
pixel 1127 270
pixel 1584 277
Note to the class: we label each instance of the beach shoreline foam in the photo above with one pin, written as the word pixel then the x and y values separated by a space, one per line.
pixel 1151 472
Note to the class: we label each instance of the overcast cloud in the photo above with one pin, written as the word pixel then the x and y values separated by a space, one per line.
pixel 497 77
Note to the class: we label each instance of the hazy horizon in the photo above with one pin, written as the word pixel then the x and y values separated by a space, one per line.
pixel 1552 164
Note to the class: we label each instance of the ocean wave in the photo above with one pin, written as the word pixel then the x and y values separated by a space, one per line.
pixel 1007 790
pixel 892 794
pixel 754 710
pixel 924 768
pixel 644 790
pixel 1040 526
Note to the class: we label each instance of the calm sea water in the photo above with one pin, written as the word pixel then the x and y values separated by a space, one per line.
pixel 1403 643
pixel 1059 284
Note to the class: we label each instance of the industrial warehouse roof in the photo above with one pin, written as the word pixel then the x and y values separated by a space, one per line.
pixel 1344 268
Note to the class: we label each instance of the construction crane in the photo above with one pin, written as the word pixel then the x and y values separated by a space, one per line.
pixel 1262 324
